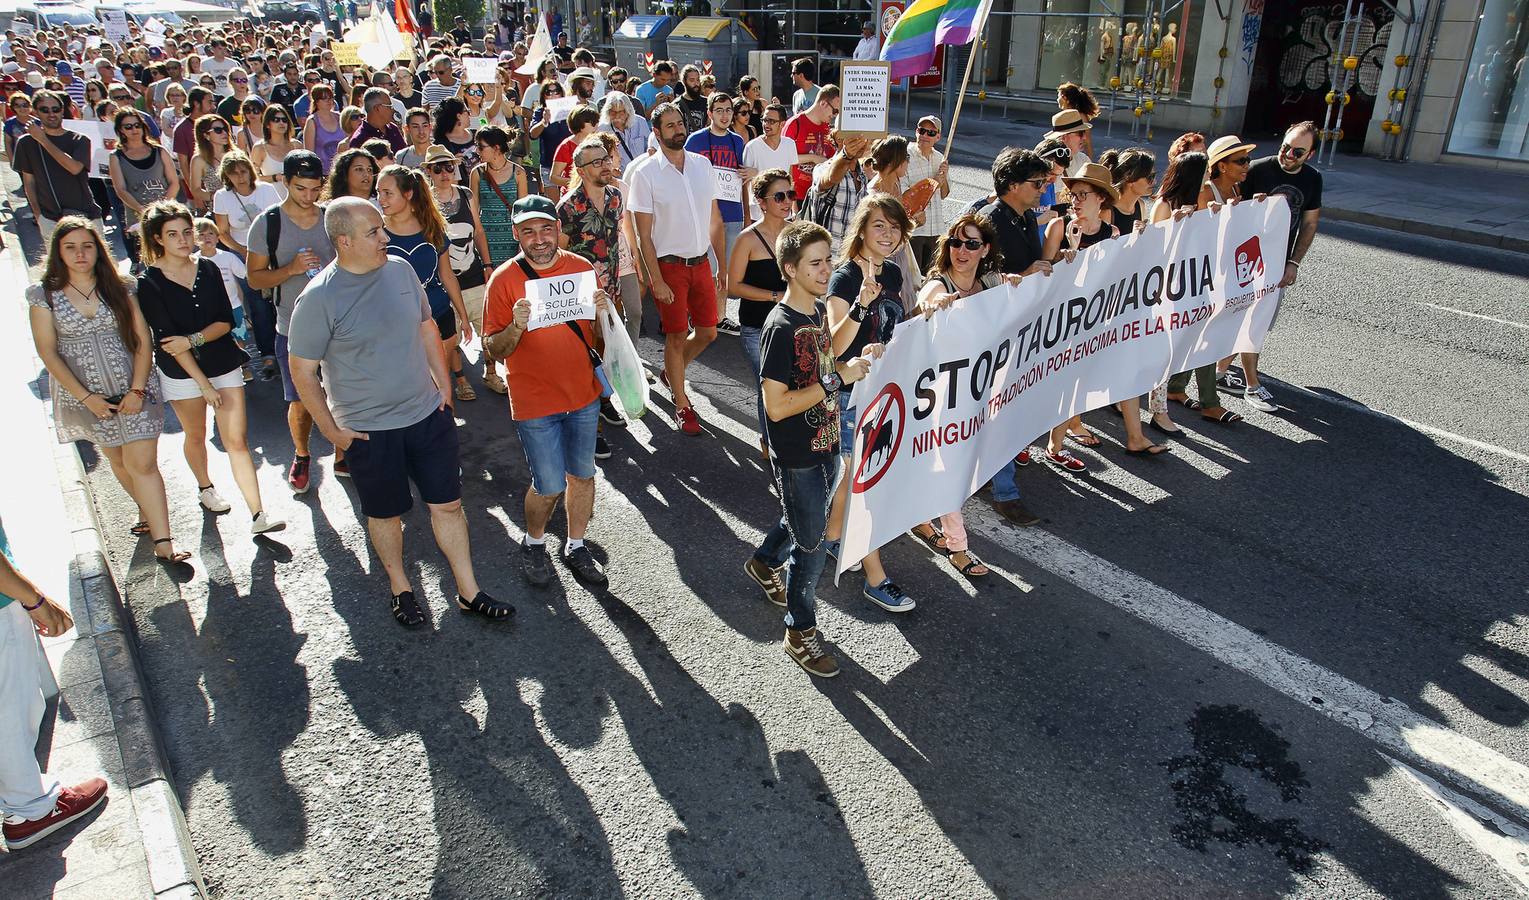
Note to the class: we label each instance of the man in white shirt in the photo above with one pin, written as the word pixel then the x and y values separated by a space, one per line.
pixel 674 200
pixel 769 151
pixel 869 46
pixel 218 65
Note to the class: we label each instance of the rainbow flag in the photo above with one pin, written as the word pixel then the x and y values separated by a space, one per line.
pixel 926 24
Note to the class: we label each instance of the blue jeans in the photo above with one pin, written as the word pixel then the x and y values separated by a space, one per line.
pixel 262 318
pixel 751 337
pixel 1004 487
pixel 560 446
pixel 798 537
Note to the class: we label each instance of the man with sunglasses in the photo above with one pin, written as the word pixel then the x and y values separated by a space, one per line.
pixel 237 87
pixel 1287 174
pixel 54 165
pixel 925 162
pixel 769 151
pixel 443 84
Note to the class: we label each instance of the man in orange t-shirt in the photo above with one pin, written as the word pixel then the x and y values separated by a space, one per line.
pixel 554 394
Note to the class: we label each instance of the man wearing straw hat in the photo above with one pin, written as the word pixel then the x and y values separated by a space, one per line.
pixel 1069 126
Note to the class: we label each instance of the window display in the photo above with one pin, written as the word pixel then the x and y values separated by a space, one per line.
pixel 1492 118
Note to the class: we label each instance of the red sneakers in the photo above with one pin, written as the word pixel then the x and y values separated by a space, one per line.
pixel 297 476
pixel 690 423
pixel 73 802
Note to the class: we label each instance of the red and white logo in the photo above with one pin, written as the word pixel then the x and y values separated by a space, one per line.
pixel 706 66
pixel 1250 261
pixel 878 435
pixel 647 61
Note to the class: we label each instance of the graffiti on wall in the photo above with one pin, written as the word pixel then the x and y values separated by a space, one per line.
pixel 1308 61
pixel 1252 23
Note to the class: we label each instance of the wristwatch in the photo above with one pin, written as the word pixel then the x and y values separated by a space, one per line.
pixel 832 383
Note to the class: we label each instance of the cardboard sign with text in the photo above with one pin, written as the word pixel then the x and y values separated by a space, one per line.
pixel 728 182
pixel 346 54
pixel 866 102
pixel 480 69
pixel 562 298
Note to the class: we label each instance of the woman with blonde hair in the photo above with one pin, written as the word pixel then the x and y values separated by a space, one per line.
pixel 191 316
pixel 417 235
pixel 350 117
pixel 94 341
pixel 212 141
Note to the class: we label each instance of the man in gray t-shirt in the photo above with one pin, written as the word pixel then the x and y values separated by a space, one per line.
pixel 388 400
pixel 302 245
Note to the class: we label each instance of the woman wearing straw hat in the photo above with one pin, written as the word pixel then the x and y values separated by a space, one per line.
pixel 1229 157
pixel 1071 128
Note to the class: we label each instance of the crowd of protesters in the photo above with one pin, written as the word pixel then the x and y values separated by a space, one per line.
pixel 349 231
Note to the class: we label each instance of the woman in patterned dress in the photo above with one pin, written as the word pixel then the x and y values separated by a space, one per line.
pixel 99 355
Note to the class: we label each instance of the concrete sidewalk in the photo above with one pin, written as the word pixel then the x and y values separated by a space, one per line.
pixel 136 844
pixel 1453 202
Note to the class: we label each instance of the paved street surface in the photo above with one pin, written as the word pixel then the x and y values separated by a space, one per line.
pixel 1200 677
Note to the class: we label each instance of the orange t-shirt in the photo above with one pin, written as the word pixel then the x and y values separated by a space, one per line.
pixel 549 371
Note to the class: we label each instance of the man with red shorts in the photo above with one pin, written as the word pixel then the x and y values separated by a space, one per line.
pixel 674 199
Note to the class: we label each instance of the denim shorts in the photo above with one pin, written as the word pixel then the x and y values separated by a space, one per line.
pixel 288 389
pixel 559 447
pixel 847 424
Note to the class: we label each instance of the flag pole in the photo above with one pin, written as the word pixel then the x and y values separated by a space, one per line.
pixel 971 56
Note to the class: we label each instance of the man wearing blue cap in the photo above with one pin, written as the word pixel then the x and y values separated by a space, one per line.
pixel 74 87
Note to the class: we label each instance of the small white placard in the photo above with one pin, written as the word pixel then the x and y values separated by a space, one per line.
pixel 558 108
pixel 153 39
pixel 114 21
pixel 866 99
pixel 154 25
pixel 481 69
pixel 728 183
pixel 562 298
pixel 103 140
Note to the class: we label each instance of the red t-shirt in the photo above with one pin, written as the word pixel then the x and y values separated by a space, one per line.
pixel 564 154
pixel 810 137
pixel 549 371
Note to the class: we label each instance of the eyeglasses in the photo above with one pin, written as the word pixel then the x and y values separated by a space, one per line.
pixel 1295 152
pixel 605 157
pixel 780 196
pixel 1241 160
pixel 969 244
pixel 1084 195
pixel 928 132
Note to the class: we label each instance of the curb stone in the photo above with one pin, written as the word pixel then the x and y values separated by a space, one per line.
pixel 173 868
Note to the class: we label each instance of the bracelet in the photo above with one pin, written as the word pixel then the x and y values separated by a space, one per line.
pixel 858 312
pixel 1294 262
pixel 832 383
pixel 142 394
pixel 88 396
pixel 196 338
pixel 40 601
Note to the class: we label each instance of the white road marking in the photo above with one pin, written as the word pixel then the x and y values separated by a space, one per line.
pixel 1461 312
pixel 1417 426
pixel 1503 842
pixel 1388 722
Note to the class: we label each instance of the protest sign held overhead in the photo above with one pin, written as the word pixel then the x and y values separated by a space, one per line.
pixel 954 395
pixel 866 99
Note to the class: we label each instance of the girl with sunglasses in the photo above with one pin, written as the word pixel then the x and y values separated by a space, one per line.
pixel 548 134
pixel 247 135
pixel 276 142
pixel 455 204
pixel 19 106
pixel 493 186
pixel 453 130
pixel 212 141
pixel 966 262
pixel 142 172
pixel 755 276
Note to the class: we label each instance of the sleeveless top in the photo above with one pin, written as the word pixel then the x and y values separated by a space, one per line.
pixel 1088 240
pixel 1126 221
pixel 425 259
pixel 459 239
pixel 210 180
pixel 326 143
pixel 270 165
pixel 494 214
pixel 765 275
pixel 145 179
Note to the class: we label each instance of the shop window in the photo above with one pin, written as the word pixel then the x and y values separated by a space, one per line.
pixel 1492 118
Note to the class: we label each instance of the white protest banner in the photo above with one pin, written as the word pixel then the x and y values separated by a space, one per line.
pixel 728 182
pixel 114 22
pixel 865 99
pixel 23 28
pixel 480 69
pixel 558 108
pixel 317 35
pixel 103 140
pixel 561 298
pixel 955 397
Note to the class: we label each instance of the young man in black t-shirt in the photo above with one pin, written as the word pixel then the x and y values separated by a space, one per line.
pixel 801 382
pixel 1287 174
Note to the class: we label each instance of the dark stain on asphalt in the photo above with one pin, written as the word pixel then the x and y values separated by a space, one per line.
pixel 1214 809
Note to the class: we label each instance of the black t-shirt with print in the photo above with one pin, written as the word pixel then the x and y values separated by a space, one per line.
pixel 886 309
pixel 1303 189
pixel 796 350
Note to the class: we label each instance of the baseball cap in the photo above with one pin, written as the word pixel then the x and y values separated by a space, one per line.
pixel 64 68
pixel 302 164
pixel 533 207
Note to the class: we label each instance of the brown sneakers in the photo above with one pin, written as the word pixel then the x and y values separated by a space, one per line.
pixel 806 647
pixel 767 578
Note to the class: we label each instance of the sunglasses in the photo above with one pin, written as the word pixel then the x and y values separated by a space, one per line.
pixel 1295 152
pixel 279 120
pixel 1037 183
pixel 49 110
pixel 780 196
pixel 218 129
pixel 969 244
pixel 311 80
pixel 443 166
pixel 132 126
pixel 772 121
pixel 928 132
pixel 1241 160
pixel 21 104
pixel 240 80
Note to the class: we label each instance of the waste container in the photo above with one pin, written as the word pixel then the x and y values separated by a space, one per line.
pixel 722 42
pixel 637 37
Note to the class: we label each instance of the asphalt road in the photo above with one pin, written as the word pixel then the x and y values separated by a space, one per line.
pixel 1182 685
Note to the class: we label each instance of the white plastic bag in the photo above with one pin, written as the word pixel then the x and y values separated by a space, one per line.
pixel 623 366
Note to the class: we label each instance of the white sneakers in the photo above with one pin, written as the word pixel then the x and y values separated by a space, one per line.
pixel 264 524
pixel 212 501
